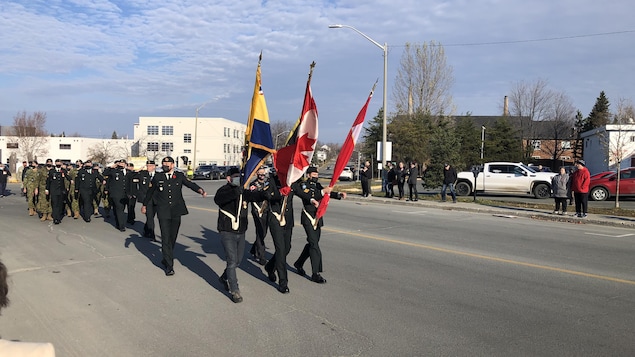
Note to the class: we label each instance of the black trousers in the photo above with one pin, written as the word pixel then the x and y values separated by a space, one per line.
pixel 148 227
pixel 312 249
pixel 365 187
pixel 412 189
pixel 132 202
pixel 560 201
pixel 281 236
pixel 261 225
pixel 118 205
pixel 169 232
pixel 86 203
pixel 581 202
pixel 57 207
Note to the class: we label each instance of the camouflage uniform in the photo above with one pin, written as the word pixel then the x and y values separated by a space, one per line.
pixel 69 185
pixel 105 200
pixel 30 183
pixel 43 204
pixel 71 193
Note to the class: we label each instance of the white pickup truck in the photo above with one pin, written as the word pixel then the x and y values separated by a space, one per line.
pixel 505 177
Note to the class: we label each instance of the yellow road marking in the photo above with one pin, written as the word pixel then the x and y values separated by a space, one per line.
pixel 485 257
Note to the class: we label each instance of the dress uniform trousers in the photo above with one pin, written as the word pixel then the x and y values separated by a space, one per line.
pixel 169 231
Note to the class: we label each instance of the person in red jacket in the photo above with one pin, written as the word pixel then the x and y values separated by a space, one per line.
pixel 580 187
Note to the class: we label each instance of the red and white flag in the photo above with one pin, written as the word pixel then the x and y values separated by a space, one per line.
pixel 345 153
pixel 292 161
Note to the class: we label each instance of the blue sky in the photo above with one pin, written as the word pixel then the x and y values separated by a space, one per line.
pixel 95 66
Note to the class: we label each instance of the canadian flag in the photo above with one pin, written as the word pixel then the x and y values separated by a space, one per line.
pixel 292 161
pixel 345 153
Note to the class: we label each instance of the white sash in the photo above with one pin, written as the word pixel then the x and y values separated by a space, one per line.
pixel 314 222
pixel 235 219
pixel 281 218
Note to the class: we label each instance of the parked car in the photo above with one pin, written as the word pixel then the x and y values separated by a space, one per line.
pixel 604 184
pixel 347 174
pixel 227 168
pixel 207 172
pixel 505 177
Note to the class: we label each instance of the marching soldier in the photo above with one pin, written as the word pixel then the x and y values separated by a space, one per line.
pixel 86 188
pixel 30 185
pixel 260 213
pixel 72 173
pixel 105 199
pixel 69 185
pixel 145 182
pixel 43 203
pixel 117 188
pixel 132 191
pixel 56 191
pixel 311 193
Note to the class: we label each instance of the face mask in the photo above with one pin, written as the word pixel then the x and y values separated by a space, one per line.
pixel 88 167
pixel 313 179
pixel 48 165
pixel 165 168
pixel 236 181
pixel 58 166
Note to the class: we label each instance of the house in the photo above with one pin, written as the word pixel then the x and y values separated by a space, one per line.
pixel 608 146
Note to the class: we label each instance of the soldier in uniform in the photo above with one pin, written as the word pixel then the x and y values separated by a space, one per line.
pixel 281 227
pixel 260 213
pixel 73 197
pixel 43 203
pixel 117 188
pixel 132 192
pixel 56 190
pixel 145 179
pixel 86 188
pixel 30 183
pixel 105 200
pixel 69 185
pixel 311 193
pixel 166 193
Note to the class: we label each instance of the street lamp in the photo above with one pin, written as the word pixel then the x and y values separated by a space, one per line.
pixel 482 140
pixel 284 132
pixel 196 131
pixel 385 105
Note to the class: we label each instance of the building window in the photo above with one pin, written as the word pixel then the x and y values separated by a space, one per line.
pixel 536 144
pixel 153 147
pixel 566 145
pixel 167 130
pixel 187 138
pixel 187 151
pixel 167 147
pixel 632 138
pixel 153 130
pixel 12 145
pixel 65 146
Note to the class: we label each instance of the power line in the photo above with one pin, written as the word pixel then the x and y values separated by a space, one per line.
pixel 534 40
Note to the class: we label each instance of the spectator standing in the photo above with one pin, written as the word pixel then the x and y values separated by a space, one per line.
pixel 580 181
pixel 400 176
pixel 412 174
pixel 449 179
pixel 364 176
pixel 4 177
pixel 561 187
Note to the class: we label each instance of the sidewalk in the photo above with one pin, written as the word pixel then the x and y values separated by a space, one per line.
pixel 600 219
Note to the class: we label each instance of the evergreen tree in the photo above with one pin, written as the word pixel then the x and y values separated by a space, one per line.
pixel 600 113
pixel 470 139
pixel 373 134
pixel 410 135
pixel 502 143
pixel 114 135
pixel 580 124
pixel 445 147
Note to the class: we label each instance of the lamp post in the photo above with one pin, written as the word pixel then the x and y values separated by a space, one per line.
pixel 482 140
pixel 196 132
pixel 384 48
pixel 284 132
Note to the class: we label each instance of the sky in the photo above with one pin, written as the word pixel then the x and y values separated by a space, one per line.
pixel 96 66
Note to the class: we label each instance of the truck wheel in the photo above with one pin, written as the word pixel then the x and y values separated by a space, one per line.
pixel 463 189
pixel 599 194
pixel 542 191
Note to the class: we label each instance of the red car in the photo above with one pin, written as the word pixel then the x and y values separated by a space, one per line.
pixel 604 185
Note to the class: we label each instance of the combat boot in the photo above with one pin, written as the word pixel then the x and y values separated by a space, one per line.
pixel 76 216
pixel 43 218
pixel 49 217
pixel 69 213
pixel 31 212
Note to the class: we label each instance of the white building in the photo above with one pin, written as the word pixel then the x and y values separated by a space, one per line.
pixel 220 140
pixel 603 147
pixel 68 149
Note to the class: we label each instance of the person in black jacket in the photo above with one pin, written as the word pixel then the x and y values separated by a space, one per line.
pixel 311 193
pixel 86 183
pixel 364 177
pixel 116 189
pixel 166 192
pixel 232 223
pixel 56 190
pixel 260 213
pixel 412 174
pixel 132 192
pixel 145 179
pixel 449 179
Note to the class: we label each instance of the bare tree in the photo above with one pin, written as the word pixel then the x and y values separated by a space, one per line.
pixel 530 102
pixel 618 144
pixel 424 80
pixel 280 131
pixel 559 123
pixel 30 135
pixel 107 151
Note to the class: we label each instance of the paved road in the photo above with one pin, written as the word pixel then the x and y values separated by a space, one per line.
pixel 403 280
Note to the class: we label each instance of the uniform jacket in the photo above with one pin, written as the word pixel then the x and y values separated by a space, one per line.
pixel 310 190
pixel 88 181
pixel 279 210
pixel 167 194
pixel 145 179
pixel 132 184
pixel 55 182
pixel 580 180
pixel 232 202
pixel 117 183
pixel 259 208
pixel 30 178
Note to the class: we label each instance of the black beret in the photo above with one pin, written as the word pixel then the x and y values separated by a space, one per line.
pixel 311 169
